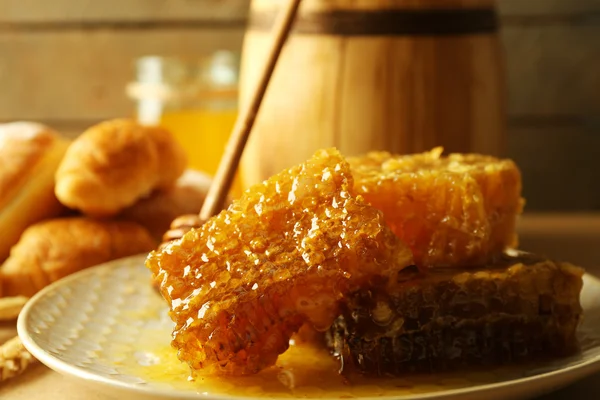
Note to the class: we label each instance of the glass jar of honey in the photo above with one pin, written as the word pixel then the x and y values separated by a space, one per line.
pixel 195 99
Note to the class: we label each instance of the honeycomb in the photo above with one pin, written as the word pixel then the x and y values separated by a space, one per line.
pixel 454 210
pixel 520 308
pixel 282 255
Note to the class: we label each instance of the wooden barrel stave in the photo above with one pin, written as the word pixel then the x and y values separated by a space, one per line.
pixel 403 93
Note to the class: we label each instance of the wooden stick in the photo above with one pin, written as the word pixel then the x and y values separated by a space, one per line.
pixel 241 131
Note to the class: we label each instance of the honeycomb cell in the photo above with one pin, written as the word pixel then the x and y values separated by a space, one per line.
pixel 457 210
pixel 282 255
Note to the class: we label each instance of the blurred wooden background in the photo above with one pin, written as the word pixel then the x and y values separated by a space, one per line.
pixel 66 63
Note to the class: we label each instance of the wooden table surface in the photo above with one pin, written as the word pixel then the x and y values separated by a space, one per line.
pixel 574 238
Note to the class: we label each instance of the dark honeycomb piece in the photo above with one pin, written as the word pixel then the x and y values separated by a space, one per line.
pixel 519 309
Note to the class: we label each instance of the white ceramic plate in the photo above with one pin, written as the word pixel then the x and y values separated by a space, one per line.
pixel 107 325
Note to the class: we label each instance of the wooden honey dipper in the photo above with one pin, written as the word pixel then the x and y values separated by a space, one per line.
pixel 221 184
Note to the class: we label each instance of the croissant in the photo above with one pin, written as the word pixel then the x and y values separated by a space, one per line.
pixel 115 163
pixel 29 156
pixel 157 211
pixel 53 249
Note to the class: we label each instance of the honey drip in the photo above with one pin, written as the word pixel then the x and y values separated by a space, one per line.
pixel 304 371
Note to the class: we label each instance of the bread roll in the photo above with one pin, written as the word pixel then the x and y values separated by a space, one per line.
pixel 56 248
pixel 158 211
pixel 115 163
pixel 29 156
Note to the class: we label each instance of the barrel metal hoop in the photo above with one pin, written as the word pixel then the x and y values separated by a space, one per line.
pixel 423 22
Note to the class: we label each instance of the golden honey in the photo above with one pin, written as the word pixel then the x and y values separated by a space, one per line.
pixel 204 135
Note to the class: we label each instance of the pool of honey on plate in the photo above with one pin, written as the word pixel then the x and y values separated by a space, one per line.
pixel 304 371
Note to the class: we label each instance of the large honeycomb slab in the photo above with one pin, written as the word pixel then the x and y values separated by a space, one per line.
pixel 282 255
pixel 457 210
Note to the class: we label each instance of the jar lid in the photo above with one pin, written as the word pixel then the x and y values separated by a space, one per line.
pixel 176 78
pixel 221 70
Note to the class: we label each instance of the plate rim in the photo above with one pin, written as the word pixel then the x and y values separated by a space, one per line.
pixel 580 370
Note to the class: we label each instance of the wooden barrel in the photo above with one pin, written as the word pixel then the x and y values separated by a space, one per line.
pixel 361 75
